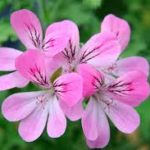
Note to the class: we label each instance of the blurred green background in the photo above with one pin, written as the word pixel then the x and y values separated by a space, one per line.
pixel 88 14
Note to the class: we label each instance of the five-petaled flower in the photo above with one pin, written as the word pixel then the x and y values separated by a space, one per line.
pixel 29 31
pixel 115 97
pixel 33 109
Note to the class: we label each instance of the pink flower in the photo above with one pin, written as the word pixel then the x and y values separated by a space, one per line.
pixel 114 97
pixel 34 109
pixel 28 28
pixel 102 49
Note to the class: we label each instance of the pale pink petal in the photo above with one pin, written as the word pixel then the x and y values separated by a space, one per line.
pixel 132 63
pixel 119 27
pixel 89 121
pixel 101 50
pixel 67 28
pixel 28 28
pixel 54 43
pixel 56 122
pixel 59 60
pixel 100 142
pixel 52 65
pixel 18 106
pixel 124 117
pixel 75 112
pixel 91 79
pixel 12 80
pixel 7 58
pixel 68 88
pixel 129 88
pixel 32 126
pixel 32 64
pixel 95 125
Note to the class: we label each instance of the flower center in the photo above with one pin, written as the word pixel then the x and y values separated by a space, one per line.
pixel 42 100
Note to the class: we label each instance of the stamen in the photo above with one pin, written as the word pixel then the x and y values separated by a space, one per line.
pixel 42 100
pixel 107 103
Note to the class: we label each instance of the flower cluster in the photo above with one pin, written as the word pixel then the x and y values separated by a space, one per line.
pixel 70 75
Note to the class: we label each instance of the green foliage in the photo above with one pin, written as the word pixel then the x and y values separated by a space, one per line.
pixel 92 3
pixel 88 14
pixel 6 32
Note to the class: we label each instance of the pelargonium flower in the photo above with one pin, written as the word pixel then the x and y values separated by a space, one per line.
pixel 114 97
pixel 29 30
pixel 102 49
pixel 34 109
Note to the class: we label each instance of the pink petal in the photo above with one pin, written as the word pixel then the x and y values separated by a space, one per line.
pixel 32 126
pixel 91 78
pixel 70 31
pixel 56 122
pixel 68 88
pixel 28 28
pixel 100 142
pixel 7 58
pixel 52 65
pixel 119 27
pixel 32 65
pixel 129 88
pixel 133 63
pixel 18 106
pixel 67 28
pixel 89 121
pixel 12 80
pixel 101 50
pixel 75 112
pixel 95 125
pixel 54 43
pixel 124 117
